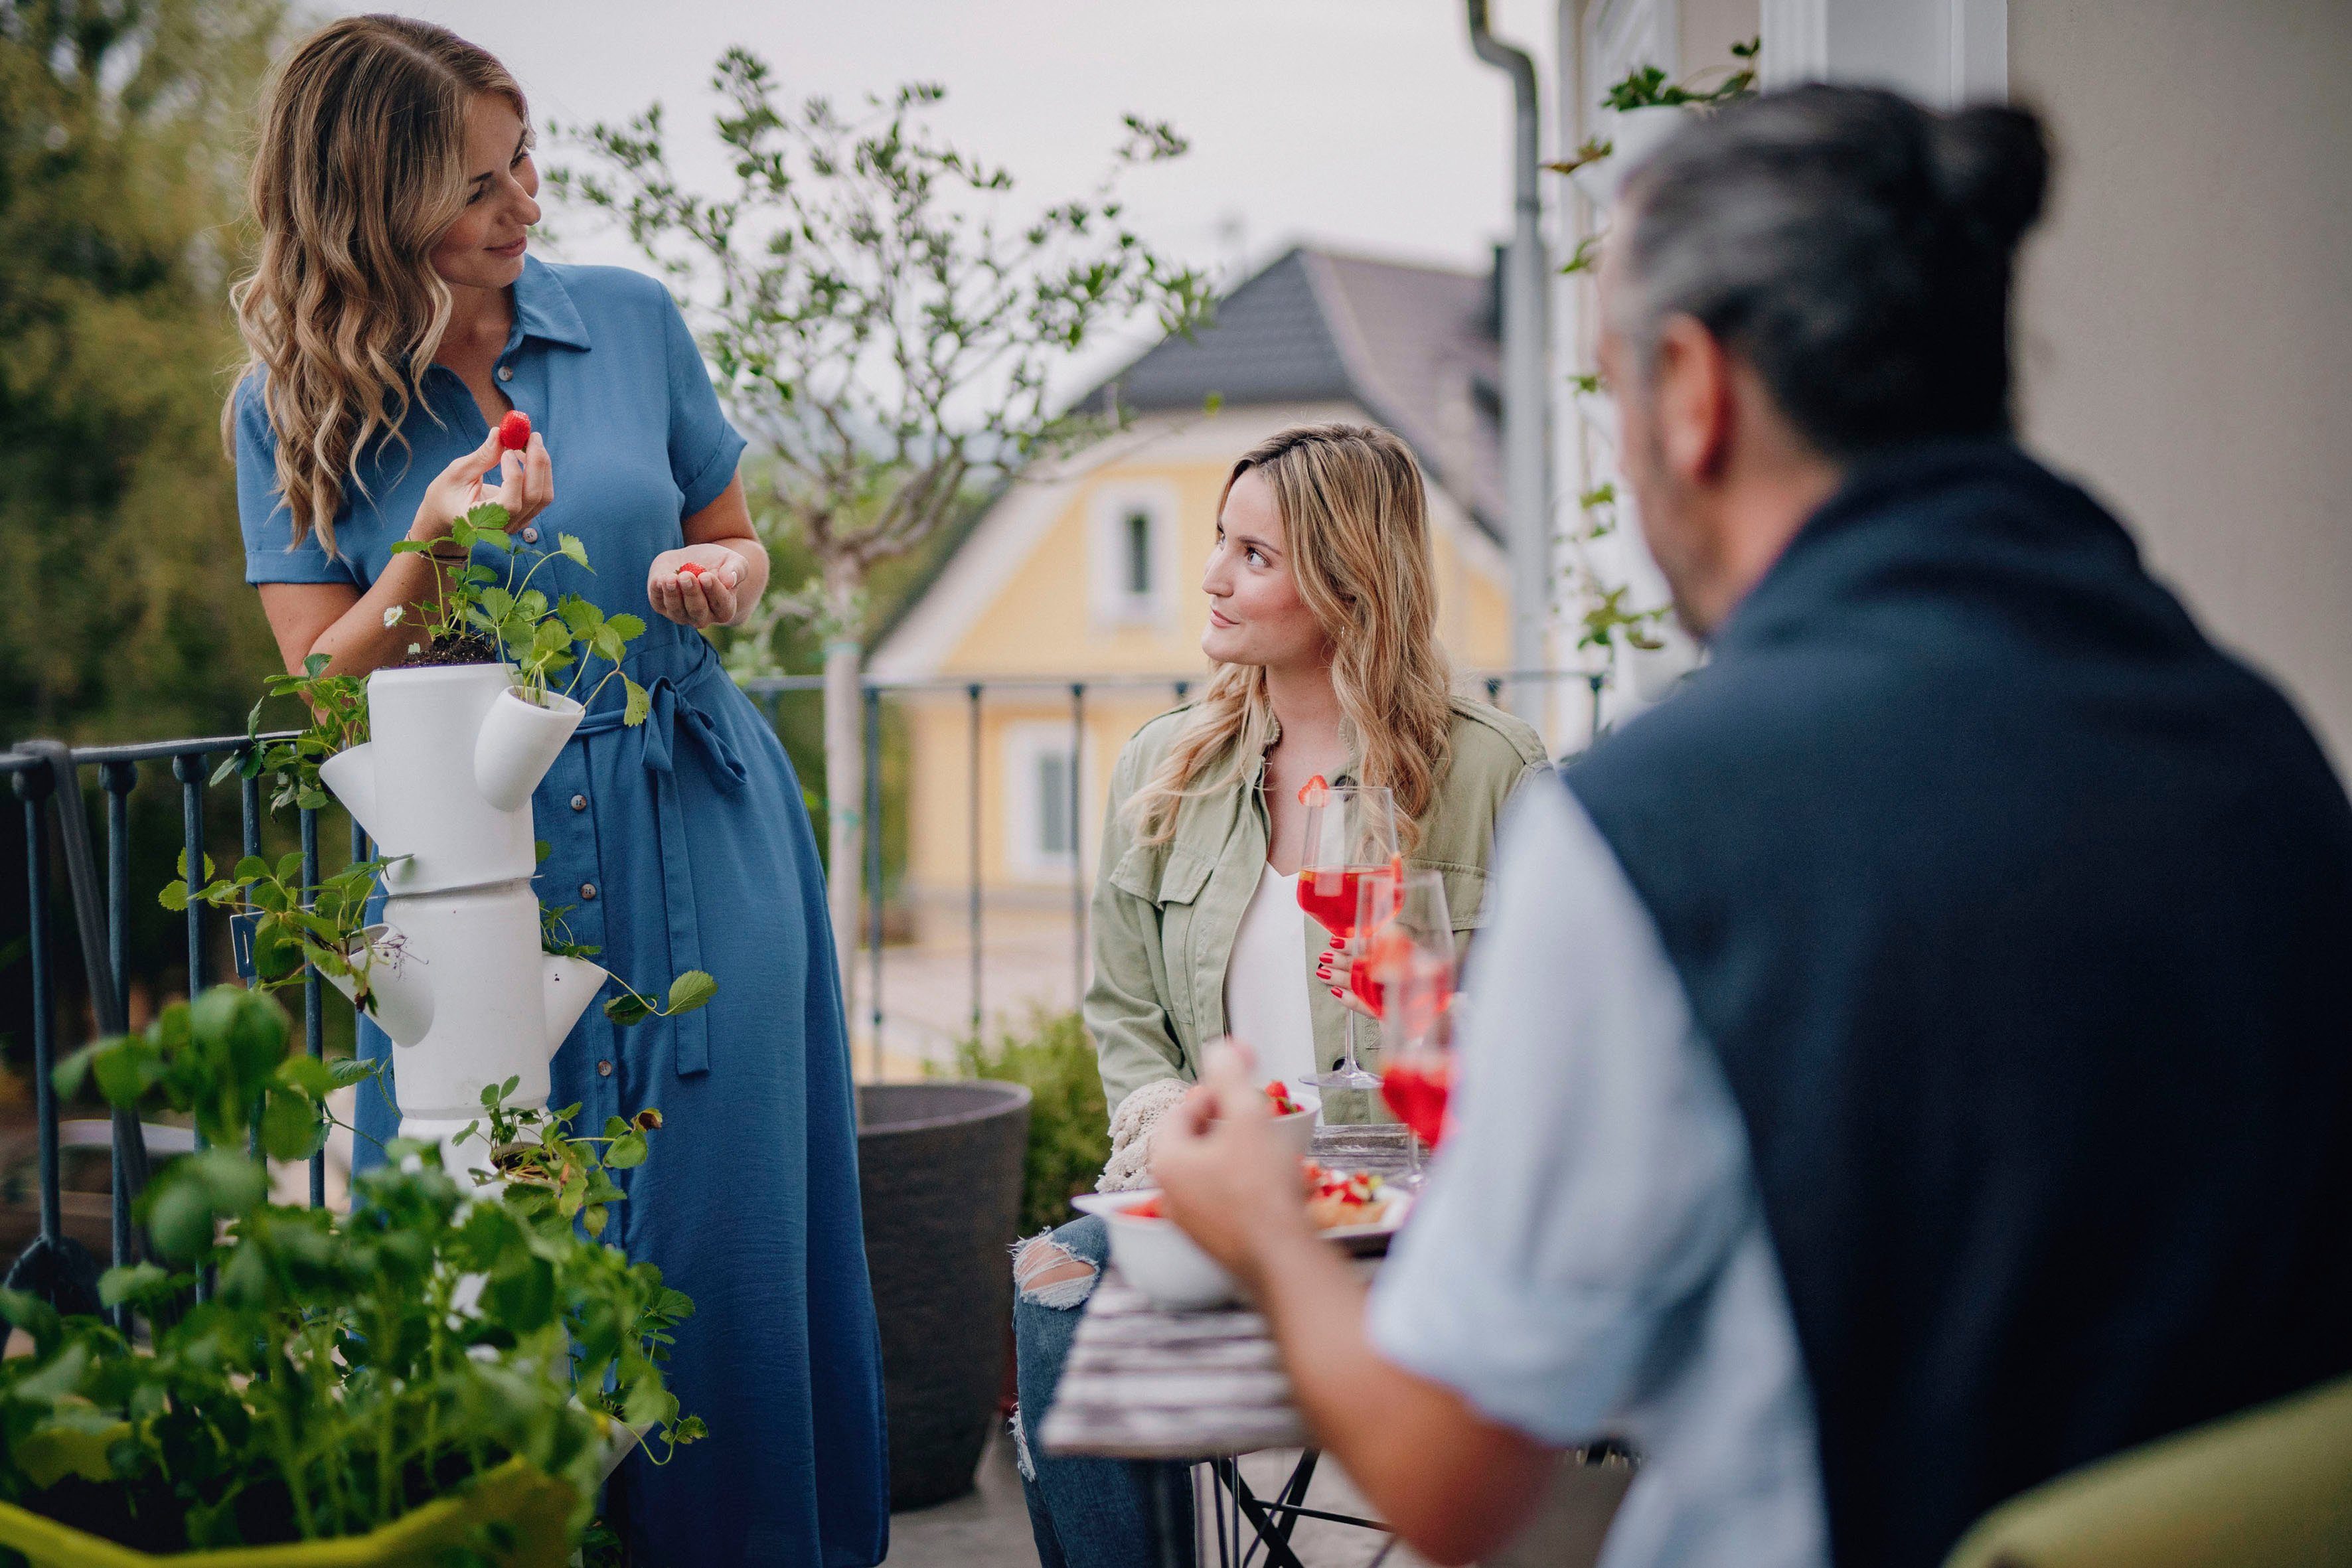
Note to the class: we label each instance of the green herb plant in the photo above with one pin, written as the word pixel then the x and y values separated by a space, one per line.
pixel 343 1370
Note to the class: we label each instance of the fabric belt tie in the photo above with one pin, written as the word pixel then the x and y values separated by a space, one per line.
pixel 674 701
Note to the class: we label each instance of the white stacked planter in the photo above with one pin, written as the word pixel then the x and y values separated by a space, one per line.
pixel 461 986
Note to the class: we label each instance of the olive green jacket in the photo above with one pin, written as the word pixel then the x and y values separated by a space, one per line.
pixel 1165 915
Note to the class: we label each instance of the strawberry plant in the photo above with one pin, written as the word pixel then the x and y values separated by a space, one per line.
pixel 541 637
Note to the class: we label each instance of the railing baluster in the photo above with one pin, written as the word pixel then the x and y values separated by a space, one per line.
pixel 117 780
pixel 190 771
pixel 974 849
pixel 874 866
pixel 34 787
pixel 314 1019
pixel 1078 847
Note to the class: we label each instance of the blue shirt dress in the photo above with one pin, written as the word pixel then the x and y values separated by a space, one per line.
pixel 681 844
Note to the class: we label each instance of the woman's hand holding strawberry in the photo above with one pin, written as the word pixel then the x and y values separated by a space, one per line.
pixel 698 586
pixel 526 484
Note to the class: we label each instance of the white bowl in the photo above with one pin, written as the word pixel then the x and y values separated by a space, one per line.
pixel 1296 1130
pixel 1157 1257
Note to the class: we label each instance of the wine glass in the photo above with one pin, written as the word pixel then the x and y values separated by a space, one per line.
pixel 1350 840
pixel 1406 973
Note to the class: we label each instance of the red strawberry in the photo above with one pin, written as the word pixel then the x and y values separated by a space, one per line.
pixel 691 569
pixel 514 432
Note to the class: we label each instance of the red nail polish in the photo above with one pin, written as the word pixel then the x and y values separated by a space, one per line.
pixel 1335 993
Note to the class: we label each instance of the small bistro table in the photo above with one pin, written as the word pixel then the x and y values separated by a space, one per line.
pixel 1145 1383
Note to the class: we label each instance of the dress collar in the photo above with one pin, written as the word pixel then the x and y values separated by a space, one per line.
pixel 543 308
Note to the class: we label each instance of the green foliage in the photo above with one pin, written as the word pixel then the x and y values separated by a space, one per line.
pixel 345 1369
pixel 291 926
pixel 1069 1124
pixel 880 321
pixel 1606 622
pixel 336 711
pixel 122 134
pixel 1647 87
pixel 541 638
pixel 690 990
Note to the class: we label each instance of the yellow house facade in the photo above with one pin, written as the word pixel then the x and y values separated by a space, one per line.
pixel 1074 605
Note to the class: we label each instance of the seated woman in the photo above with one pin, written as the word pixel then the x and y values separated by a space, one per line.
pixel 1322 609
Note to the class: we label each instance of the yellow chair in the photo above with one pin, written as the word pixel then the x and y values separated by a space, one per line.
pixel 2269 1487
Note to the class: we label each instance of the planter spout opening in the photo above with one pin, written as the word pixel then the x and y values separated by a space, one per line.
pixel 349 776
pixel 520 739
pixel 570 984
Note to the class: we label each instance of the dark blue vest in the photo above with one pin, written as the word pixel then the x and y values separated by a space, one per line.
pixel 2021 921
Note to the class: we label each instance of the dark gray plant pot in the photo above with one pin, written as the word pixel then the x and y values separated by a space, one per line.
pixel 939 1168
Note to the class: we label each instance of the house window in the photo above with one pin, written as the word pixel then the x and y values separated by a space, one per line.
pixel 1054 804
pixel 1138 554
pixel 1041 826
pixel 1132 549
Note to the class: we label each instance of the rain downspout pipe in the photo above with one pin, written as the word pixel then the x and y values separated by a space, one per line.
pixel 1526 394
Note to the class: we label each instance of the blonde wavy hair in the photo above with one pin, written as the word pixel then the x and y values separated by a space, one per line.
pixel 360 171
pixel 1356 521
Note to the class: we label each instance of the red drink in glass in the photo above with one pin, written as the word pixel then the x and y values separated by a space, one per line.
pixel 1416 1087
pixel 1329 895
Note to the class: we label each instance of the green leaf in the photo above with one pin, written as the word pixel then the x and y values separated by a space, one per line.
pixel 130 1283
pixel 626 1152
pixel 571 549
pixel 73 1442
pixel 625 1009
pixel 640 702
pixel 631 628
pixel 173 895
pixel 291 1126
pixel 195 1194
pixel 308 1074
pixel 691 990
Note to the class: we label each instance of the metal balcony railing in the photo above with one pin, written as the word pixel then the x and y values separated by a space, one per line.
pixel 103 888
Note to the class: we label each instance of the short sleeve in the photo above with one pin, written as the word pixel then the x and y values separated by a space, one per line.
pixel 1596 1180
pixel 261 512
pixel 703 448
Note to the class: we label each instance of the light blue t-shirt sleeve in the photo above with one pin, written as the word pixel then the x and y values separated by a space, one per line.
pixel 1596 1180
pixel 703 447
pixel 261 512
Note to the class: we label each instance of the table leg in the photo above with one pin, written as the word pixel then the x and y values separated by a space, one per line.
pixel 1172 1486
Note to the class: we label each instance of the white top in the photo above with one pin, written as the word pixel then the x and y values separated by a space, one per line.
pixel 1590 1256
pixel 1266 980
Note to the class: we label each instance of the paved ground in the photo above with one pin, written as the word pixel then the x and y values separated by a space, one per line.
pixel 1025 963
pixel 990 1529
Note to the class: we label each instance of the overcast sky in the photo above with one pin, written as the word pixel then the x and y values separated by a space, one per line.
pixel 1360 123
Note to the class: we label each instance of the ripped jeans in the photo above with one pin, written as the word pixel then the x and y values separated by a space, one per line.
pixel 1085 1513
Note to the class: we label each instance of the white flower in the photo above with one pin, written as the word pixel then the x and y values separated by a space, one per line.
pixel 391 616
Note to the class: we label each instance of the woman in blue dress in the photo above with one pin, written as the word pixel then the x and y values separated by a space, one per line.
pixel 394 318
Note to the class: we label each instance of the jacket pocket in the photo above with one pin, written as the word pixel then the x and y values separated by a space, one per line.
pixel 1161 874
pixel 1465 891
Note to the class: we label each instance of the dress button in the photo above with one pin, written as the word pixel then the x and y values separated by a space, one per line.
pixel 506 372
pixel 530 534
pixel 579 802
pixel 604 1069
pixel 587 889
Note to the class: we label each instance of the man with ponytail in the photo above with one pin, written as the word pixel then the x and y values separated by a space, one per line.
pixel 1910 1062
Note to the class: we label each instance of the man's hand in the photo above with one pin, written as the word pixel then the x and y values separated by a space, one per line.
pixel 1225 1178
pixel 1452 1482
